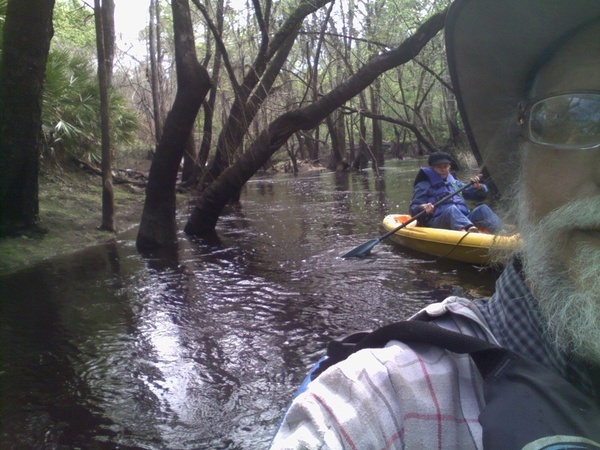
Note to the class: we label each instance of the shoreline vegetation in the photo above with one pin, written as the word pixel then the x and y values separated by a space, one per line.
pixel 70 201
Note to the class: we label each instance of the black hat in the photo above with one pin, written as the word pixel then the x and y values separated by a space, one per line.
pixel 492 47
pixel 439 158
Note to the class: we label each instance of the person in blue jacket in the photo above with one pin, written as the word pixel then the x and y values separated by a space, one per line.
pixel 434 183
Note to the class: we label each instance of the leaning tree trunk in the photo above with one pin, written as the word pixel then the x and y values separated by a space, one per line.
pixel 206 213
pixel 157 227
pixel 27 35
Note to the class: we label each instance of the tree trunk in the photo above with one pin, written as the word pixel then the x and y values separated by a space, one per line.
pixel 302 150
pixel 311 144
pixel 108 196
pixel 108 22
pixel 451 115
pixel 315 157
pixel 363 146
pixel 157 227
pixel 153 38
pixel 209 105
pixel 190 170
pixel 27 35
pixel 335 156
pixel 335 124
pixel 377 133
pixel 351 143
pixel 204 217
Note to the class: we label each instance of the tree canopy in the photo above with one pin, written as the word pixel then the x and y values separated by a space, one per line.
pixel 289 81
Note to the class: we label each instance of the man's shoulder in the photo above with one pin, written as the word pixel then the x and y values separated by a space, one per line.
pixel 400 363
pixel 461 315
pixel 377 392
pixel 456 314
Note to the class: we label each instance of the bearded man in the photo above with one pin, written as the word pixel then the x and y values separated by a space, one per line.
pixel 527 78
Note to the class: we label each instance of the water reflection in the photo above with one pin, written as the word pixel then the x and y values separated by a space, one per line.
pixel 202 345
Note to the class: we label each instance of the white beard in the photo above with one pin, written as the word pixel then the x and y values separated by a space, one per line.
pixel 568 295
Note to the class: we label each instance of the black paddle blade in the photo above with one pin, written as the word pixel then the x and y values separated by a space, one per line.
pixel 363 249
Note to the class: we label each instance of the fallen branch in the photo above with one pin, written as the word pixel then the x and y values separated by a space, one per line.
pixel 132 177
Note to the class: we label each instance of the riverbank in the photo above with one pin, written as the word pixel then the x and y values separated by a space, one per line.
pixel 70 216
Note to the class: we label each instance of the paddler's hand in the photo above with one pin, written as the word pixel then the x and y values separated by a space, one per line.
pixel 428 208
pixel 476 181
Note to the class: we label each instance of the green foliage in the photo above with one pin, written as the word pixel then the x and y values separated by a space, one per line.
pixel 71 105
pixel 71 120
pixel 357 31
pixel 74 27
pixel 71 101
pixel 410 92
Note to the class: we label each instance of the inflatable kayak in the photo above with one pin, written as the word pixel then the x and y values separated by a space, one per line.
pixel 473 248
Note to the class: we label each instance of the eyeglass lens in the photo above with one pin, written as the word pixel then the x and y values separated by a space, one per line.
pixel 568 120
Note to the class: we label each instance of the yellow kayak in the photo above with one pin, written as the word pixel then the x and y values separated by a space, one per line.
pixel 473 248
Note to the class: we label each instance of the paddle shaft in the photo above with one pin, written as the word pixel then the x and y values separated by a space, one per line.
pixel 422 213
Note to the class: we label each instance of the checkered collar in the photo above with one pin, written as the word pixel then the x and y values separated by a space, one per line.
pixel 514 319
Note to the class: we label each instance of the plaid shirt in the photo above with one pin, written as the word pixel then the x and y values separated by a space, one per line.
pixel 514 320
pixel 419 396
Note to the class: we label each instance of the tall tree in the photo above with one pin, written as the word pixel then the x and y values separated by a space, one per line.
pixel 158 227
pixel 377 137
pixel 27 35
pixel 108 31
pixel 71 100
pixel 154 48
pixel 315 79
pixel 105 40
pixel 209 105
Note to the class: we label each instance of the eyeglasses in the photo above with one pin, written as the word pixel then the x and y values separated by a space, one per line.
pixel 568 120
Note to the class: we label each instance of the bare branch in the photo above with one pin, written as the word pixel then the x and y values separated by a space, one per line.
pixel 213 28
pixel 403 123
pixel 435 75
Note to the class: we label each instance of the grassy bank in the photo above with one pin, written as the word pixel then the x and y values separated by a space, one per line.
pixel 70 215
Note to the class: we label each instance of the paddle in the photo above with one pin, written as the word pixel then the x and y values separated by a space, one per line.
pixel 365 248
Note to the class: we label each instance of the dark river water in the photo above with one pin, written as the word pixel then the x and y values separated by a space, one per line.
pixel 203 347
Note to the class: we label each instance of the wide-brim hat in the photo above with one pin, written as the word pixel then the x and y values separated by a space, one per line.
pixel 492 48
